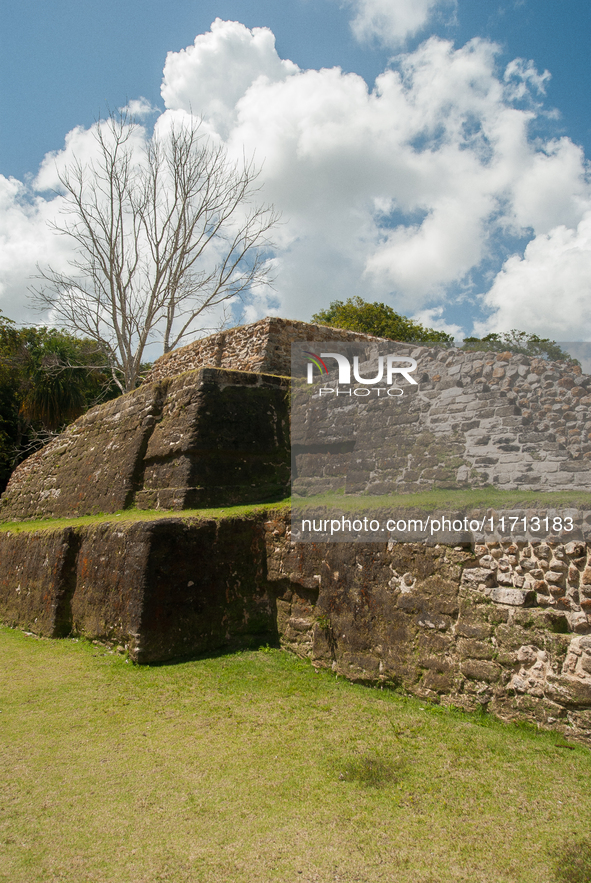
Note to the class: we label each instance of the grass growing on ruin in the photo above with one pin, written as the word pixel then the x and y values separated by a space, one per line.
pixel 446 500
pixel 133 515
pixel 442 500
pixel 251 768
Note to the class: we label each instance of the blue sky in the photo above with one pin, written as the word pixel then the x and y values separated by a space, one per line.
pixel 441 230
pixel 63 63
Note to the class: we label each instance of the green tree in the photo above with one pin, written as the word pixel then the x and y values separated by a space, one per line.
pixel 355 314
pixel 9 401
pixel 47 379
pixel 517 342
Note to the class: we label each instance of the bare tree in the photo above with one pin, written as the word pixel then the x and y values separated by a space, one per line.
pixel 165 229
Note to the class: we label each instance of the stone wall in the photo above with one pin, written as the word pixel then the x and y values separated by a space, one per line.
pixel 36 578
pixel 452 625
pixel 475 419
pixel 213 436
pixel 162 589
pixel 207 437
pixel 504 626
pixel 263 346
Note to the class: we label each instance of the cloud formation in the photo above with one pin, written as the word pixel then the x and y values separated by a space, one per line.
pixel 550 285
pixel 25 241
pixel 392 193
pixel 211 76
pixel 392 22
pixel 396 193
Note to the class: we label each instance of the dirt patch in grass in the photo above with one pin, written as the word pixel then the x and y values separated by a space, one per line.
pixel 369 770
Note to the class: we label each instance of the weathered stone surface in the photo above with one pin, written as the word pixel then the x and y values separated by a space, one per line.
pixel 207 437
pixel 177 587
pixel 472 649
pixel 263 347
pixel 437 445
pixel 507 625
pixel 207 588
pixel 514 597
pixel 448 432
pixel 215 435
pixel 480 670
pixel 224 441
pixel 111 582
pixel 478 577
pixel 37 579
pixel 91 467
pixel 163 589
pixel 376 602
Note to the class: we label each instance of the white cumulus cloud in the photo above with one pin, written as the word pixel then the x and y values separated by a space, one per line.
pixel 139 108
pixel 392 22
pixel 548 289
pixel 26 240
pixel 553 187
pixel 213 74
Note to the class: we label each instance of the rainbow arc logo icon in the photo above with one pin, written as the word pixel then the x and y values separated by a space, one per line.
pixel 315 359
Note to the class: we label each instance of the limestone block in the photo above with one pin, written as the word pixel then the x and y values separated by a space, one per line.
pixel 480 670
pixel 475 577
pixel 473 649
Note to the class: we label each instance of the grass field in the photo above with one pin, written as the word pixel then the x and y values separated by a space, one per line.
pixel 429 501
pixel 253 767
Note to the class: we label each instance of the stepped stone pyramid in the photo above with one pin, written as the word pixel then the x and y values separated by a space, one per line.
pixel 501 624
pixel 211 426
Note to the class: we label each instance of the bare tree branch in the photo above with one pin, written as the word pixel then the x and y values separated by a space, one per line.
pixel 163 233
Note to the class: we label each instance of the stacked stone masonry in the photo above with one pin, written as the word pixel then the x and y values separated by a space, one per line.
pixel 475 419
pixel 214 435
pixel 502 626
pixel 204 438
pixel 263 347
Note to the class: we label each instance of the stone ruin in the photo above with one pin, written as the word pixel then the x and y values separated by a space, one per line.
pixel 475 420
pixel 502 625
pixel 208 437
pixel 263 347
pixel 209 426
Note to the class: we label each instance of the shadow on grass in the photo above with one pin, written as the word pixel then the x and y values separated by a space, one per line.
pixel 265 643
pixel 572 861
pixel 369 770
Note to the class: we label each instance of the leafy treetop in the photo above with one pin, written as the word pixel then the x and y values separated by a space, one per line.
pixel 355 314
pixel 518 342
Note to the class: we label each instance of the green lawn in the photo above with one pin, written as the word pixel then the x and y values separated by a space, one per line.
pixel 443 500
pixel 251 767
